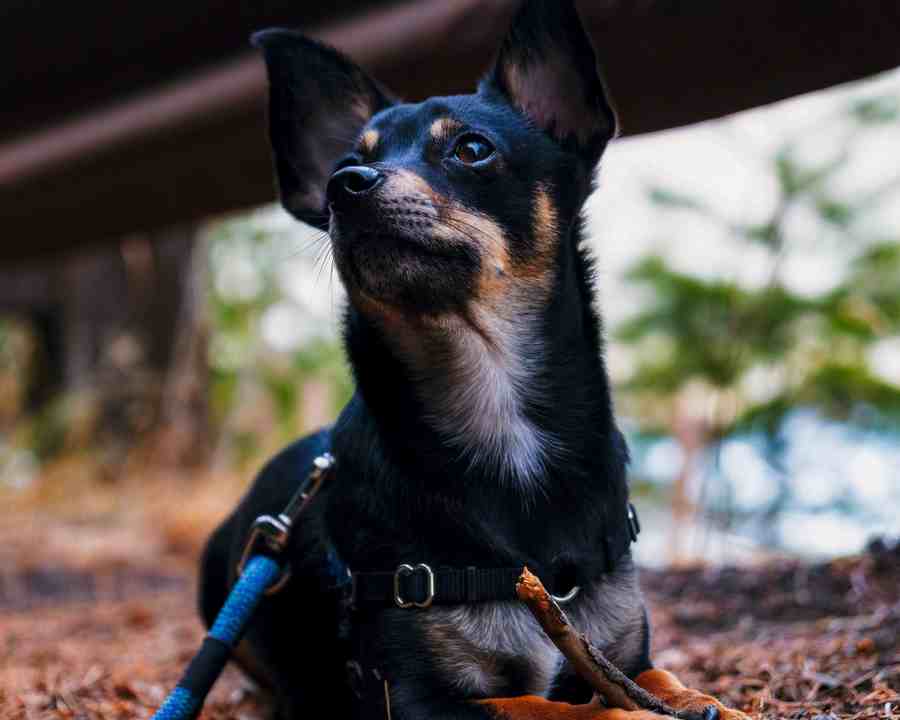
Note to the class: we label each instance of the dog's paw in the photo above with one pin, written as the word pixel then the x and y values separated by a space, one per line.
pixel 531 707
pixel 671 691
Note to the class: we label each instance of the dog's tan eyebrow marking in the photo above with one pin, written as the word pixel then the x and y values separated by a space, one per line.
pixel 369 141
pixel 443 128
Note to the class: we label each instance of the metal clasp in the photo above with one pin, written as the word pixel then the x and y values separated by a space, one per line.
pixel 634 525
pixel 273 533
pixel 403 571
pixel 568 597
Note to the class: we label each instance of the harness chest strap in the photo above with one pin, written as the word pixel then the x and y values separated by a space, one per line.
pixel 420 586
pixel 408 586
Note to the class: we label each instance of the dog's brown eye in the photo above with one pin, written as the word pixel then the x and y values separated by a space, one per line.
pixel 472 149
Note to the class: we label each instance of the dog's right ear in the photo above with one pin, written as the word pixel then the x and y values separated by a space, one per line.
pixel 319 100
pixel 547 69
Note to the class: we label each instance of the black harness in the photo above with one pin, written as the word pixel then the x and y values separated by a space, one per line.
pixel 420 586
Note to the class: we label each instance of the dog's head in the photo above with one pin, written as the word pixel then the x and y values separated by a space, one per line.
pixel 454 202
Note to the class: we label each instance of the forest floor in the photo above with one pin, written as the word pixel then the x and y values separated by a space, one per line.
pixel 99 621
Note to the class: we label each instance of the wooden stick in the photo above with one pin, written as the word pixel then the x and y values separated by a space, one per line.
pixel 618 690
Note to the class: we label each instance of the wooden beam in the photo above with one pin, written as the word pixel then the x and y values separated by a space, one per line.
pixel 197 146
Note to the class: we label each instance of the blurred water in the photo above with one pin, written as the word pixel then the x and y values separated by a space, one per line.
pixel 827 492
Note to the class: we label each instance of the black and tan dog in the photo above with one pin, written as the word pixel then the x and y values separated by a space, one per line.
pixel 481 436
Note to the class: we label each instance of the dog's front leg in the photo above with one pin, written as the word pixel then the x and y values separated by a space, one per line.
pixel 670 690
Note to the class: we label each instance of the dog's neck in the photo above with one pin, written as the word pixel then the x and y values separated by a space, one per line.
pixel 476 376
pixel 513 394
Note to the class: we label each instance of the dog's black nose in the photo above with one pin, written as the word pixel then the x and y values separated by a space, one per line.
pixel 350 182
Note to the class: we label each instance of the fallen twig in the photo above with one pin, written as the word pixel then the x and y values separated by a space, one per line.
pixel 618 690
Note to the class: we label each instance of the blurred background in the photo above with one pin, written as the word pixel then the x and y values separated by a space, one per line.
pixel 165 327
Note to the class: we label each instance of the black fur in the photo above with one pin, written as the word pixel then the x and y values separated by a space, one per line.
pixel 406 490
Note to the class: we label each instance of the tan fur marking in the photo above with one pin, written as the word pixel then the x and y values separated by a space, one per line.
pixel 369 142
pixel 402 183
pixel 361 106
pixel 478 229
pixel 544 222
pixel 471 227
pixel 443 128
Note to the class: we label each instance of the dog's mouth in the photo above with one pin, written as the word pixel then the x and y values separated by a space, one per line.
pixel 417 272
pixel 400 246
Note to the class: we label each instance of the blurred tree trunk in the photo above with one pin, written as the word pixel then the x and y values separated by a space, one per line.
pixel 124 326
pixel 692 432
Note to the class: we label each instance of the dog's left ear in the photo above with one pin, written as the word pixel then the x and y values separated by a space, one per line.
pixel 546 68
pixel 319 101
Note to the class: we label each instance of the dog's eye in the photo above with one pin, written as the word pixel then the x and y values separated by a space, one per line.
pixel 348 160
pixel 471 149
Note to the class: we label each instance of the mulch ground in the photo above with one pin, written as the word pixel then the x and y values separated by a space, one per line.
pixel 782 640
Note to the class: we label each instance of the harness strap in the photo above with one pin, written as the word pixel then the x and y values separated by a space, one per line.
pixel 421 586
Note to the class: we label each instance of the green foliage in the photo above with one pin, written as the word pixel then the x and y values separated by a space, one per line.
pixel 717 333
pixel 877 111
pixel 256 385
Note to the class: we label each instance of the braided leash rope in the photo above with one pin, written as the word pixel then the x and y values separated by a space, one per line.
pixel 186 700
pixel 260 572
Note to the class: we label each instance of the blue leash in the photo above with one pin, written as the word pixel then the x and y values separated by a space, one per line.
pixel 259 574
pixel 187 698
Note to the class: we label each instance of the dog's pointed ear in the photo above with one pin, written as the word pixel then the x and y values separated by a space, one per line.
pixel 546 68
pixel 319 100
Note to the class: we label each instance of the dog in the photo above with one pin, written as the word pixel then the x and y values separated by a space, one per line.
pixel 481 436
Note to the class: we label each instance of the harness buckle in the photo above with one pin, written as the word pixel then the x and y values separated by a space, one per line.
pixel 404 570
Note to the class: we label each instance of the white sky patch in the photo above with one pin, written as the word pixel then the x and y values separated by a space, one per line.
pixel 884 360
pixel 238 279
pixel 875 476
pixel 284 329
pixel 824 535
pixel 313 286
pixel 663 459
pixel 762 383
pixel 740 459
pixel 812 274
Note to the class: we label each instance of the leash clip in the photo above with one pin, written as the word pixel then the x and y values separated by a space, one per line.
pixel 270 535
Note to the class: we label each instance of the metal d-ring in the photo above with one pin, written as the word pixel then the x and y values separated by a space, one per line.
pixel 568 597
pixel 404 570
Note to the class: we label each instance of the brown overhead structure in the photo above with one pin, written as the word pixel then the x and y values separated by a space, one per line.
pixel 127 117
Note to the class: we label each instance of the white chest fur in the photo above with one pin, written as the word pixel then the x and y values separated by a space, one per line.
pixel 493 648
